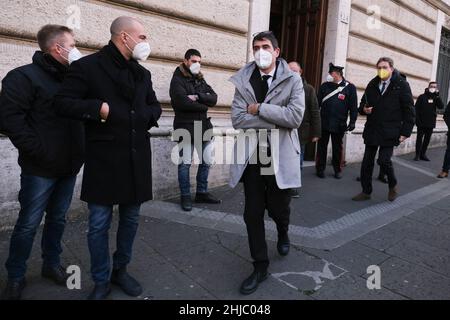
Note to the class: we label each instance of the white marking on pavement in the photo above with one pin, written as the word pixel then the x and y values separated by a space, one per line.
pixel 317 276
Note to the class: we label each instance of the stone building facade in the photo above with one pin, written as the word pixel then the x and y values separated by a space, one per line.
pixel 353 33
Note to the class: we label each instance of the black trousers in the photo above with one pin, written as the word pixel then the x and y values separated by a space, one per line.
pixel 385 162
pixel 322 150
pixel 261 193
pixel 423 140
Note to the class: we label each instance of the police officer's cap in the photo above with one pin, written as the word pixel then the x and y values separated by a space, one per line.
pixel 335 68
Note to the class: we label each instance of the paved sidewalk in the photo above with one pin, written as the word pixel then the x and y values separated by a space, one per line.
pixel 204 254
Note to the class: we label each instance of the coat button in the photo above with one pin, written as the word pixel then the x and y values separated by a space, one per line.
pixel 134 150
pixel 132 111
pixel 134 131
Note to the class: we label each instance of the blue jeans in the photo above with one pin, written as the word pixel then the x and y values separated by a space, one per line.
pixel 98 238
pixel 203 169
pixel 37 195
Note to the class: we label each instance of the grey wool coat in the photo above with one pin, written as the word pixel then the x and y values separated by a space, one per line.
pixel 282 109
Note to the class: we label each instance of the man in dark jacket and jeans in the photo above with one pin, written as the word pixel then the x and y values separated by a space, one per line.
pixel 191 97
pixel 50 154
pixel 114 96
pixel 389 106
pixel 426 112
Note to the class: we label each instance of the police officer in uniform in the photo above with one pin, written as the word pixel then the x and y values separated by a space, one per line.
pixel 337 100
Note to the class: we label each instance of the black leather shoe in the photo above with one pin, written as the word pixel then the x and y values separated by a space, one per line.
pixel 100 292
pixel 283 244
pixel 320 174
pixel 251 283
pixel 206 198
pixel 361 197
pixel 443 175
pixel 56 274
pixel 127 283
pixel 186 203
pixel 13 290
pixel 338 175
pixel 416 158
pixel 294 193
pixel 424 158
pixel 393 194
pixel 383 179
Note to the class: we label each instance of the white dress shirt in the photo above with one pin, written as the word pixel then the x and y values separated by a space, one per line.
pixel 380 86
pixel 271 74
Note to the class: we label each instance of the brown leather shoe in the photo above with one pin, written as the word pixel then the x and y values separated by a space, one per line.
pixel 393 194
pixel 362 197
pixel 443 175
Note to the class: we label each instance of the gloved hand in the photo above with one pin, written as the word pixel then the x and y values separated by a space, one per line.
pixel 351 127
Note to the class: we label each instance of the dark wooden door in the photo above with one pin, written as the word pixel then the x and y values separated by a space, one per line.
pixel 443 74
pixel 300 27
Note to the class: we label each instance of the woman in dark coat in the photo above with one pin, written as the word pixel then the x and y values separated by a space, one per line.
pixel 426 113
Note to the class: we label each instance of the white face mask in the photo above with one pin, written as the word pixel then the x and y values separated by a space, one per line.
pixel 263 59
pixel 432 90
pixel 141 50
pixel 330 78
pixel 195 68
pixel 74 54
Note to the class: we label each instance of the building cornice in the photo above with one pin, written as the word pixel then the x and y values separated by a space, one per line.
pixel 441 5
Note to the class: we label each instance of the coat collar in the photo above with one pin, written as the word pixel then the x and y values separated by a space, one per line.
pixel 373 86
pixel 396 78
pixel 113 60
pixel 305 83
pixel 188 74
pixel 241 79
pixel 429 94
pixel 126 74
pixel 50 65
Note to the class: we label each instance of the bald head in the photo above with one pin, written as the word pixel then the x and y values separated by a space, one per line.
pixel 126 33
pixel 295 67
